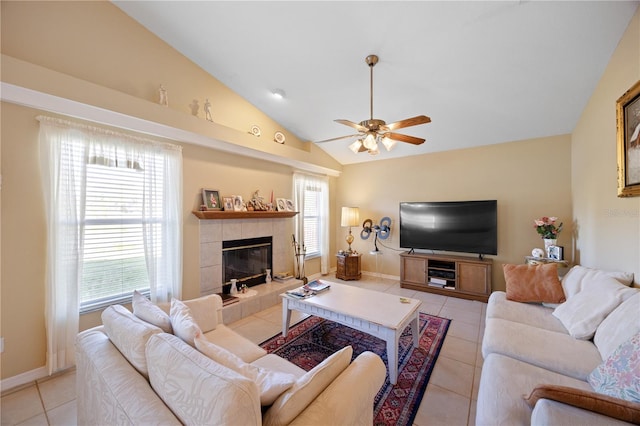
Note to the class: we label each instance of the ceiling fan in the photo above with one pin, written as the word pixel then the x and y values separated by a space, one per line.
pixel 374 130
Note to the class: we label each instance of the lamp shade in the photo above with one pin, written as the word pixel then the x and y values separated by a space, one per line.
pixel 350 216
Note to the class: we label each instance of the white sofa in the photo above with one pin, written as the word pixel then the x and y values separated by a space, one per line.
pixel 526 346
pixel 131 371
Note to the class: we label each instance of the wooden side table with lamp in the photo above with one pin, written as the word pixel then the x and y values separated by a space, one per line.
pixel 348 263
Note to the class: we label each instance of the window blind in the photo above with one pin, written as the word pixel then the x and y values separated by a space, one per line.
pixel 114 261
pixel 312 220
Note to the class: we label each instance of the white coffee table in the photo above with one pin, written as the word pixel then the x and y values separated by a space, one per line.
pixel 380 314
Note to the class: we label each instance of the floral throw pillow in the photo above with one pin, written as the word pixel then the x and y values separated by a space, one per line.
pixel 619 375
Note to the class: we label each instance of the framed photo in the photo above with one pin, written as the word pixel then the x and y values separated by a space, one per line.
pixel 289 205
pixel 237 203
pixel 281 204
pixel 628 139
pixel 228 203
pixel 556 252
pixel 211 199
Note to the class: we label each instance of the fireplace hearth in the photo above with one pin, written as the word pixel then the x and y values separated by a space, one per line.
pixel 246 260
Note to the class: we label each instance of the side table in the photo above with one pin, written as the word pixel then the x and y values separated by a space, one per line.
pixel 563 265
pixel 348 267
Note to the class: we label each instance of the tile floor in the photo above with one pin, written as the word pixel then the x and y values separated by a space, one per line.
pixel 450 398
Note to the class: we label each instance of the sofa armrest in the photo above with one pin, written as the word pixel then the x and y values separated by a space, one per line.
pixel 349 398
pixel 549 412
pixel 109 390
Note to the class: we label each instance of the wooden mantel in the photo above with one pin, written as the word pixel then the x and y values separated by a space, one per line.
pixel 221 214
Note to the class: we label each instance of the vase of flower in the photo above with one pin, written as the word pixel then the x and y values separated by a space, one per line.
pixel 547 229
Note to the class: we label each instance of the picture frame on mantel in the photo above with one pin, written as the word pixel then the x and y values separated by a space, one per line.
pixel 628 141
pixel 211 199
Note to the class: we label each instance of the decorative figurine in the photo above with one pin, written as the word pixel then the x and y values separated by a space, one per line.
pixel 164 98
pixel 207 110
pixel 195 107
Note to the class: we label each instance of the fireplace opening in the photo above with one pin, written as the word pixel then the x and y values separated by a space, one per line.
pixel 246 261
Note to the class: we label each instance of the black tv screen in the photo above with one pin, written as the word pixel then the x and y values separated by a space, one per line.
pixel 458 226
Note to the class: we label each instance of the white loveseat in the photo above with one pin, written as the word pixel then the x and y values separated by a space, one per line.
pixel 130 371
pixel 526 346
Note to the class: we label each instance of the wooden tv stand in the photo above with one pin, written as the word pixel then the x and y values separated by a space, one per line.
pixel 464 277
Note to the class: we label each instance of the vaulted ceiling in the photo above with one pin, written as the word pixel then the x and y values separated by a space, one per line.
pixel 486 72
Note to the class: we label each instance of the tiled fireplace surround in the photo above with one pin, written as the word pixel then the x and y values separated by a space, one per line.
pixel 214 231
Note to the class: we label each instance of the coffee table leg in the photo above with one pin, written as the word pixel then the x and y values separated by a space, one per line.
pixel 415 331
pixel 392 357
pixel 286 316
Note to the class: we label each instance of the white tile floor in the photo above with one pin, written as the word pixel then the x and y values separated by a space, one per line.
pixel 450 398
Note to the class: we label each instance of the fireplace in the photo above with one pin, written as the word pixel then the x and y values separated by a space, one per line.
pixel 246 260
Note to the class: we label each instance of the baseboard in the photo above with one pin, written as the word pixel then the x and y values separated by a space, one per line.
pixel 378 275
pixel 23 378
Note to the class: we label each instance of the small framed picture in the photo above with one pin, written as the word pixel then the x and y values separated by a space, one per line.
pixel 289 205
pixel 281 204
pixel 228 203
pixel 237 203
pixel 211 199
pixel 556 252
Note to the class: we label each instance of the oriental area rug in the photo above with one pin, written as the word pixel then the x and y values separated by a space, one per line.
pixel 312 340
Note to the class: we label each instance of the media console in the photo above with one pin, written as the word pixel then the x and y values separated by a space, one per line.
pixel 457 276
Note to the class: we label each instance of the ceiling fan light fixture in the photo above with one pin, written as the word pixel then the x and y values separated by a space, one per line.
pixel 374 150
pixel 370 141
pixel 388 143
pixel 355 147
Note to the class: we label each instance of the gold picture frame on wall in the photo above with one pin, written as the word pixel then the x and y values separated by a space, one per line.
pixel 628 141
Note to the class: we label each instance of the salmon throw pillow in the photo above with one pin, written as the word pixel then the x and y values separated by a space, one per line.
pixel 533 283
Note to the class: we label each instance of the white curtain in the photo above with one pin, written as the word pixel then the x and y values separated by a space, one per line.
pixel 302 183
pixel 65 150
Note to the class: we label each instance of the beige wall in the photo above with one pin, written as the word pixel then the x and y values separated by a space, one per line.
pixel 529 179
pixel 607 227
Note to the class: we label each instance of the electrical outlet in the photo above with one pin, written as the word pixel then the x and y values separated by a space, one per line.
pixel 1 345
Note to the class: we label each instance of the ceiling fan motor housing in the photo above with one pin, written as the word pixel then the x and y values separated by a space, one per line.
pixel 373 125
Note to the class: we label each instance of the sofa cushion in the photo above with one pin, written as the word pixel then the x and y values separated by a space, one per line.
pixel 270 383
pixel 183 323
pixel 580 277
pixel 533 283
pixel 129 334
pixel 307 388
pixel 532 314
pixel 582 313
pixel 553 351
pixel 205 311
pixel 275 363
pixel 588 400
pixel 618 326
pixel 239 345
pixel 619 375
pixel 147 311
pixel 504 381
pixel 198 390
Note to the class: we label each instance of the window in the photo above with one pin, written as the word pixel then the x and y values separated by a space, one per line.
pixel 114 212
pixel 311 199
pixel 113 262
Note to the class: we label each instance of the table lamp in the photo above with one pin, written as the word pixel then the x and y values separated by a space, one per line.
pixel 350 217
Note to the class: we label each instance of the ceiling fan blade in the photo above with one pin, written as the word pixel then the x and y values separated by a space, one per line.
pixel 338 138
pixel 405 138
pixel 413 121
pixel 356 126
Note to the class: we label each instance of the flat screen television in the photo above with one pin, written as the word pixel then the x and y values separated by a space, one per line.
pixel 457 226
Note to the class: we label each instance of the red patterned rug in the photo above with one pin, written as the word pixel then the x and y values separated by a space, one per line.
pixel 314 339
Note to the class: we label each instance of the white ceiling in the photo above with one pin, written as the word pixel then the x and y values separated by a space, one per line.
pixel 485 71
